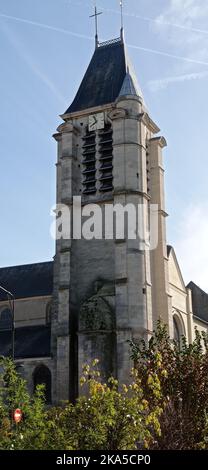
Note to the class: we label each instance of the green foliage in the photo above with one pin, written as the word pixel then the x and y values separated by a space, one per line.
pixel 105 416
pixel 108 418
pixel 30 433
pixel 181 375
pixel 165 406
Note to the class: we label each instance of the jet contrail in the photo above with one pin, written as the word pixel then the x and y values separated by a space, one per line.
pixel 162 22
pixel 161 83
pixel 166 54
pixel 46 26
pixel 91 38
pixel 144 18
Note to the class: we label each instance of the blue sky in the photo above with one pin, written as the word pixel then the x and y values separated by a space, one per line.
pixel 45 49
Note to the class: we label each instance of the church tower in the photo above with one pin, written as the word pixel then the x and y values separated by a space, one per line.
pixel 107 291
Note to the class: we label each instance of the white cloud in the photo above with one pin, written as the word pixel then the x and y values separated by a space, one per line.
pixel 191 16
pixel 183 27
pixel 160 20
pixel 184 13
pixel 162 83
pixel 191 245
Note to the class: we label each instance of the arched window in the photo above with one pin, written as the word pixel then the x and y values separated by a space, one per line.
pixel 177 330
pixel 42 376
pixel 48 313
pixel 5 319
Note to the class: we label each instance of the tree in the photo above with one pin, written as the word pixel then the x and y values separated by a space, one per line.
pixel 31 432
pixel 181 375
pixel 106 416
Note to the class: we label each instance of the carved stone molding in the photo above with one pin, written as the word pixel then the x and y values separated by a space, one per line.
pixel 161 141
pixel 117 114
pixel 67 127
pixel 96 315
pixel 145 118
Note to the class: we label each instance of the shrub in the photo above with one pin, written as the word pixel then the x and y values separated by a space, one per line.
pixel 106 416
pixel 31 432
pixel 181 373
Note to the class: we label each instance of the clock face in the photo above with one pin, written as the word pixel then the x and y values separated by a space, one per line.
pixel 96 121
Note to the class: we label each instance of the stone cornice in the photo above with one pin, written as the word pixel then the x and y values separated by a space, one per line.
pixel 86 112
pixel 126 142
pixel 162 212
pixel 156 168
pixel 68 127
pixel 33 359
pixel 129 98
pixel 26 299
pixel 57 137
pixel 160 140
pixel 121 192
pixel 176 289
pixel 145 118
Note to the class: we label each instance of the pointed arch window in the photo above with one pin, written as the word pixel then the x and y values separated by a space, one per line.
pixel 48 314
pixel 42 376
pixel 178 329
pixel 176 332
pixel 5 319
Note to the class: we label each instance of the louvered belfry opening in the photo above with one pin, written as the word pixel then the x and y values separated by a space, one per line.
pixel 89 163
pixel 97 147
pixel 106 158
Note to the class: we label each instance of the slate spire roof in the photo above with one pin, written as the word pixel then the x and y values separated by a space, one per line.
pixel 128 87
pixel 109 75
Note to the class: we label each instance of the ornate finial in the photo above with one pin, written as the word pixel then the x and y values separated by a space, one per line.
pixel 122 23
pixel 96 14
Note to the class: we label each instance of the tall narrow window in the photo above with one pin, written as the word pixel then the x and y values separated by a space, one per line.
pixel 176 331
pixel 48 313
pixel 89 163
pixel 42 376
pixel 106 158
pixel 5 319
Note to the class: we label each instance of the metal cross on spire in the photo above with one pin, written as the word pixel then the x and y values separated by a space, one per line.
pixel 96 14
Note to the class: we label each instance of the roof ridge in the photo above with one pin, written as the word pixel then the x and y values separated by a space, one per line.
pixel 110 42
pixel 26 265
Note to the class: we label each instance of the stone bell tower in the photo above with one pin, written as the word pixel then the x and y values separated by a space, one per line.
pixel 104 288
